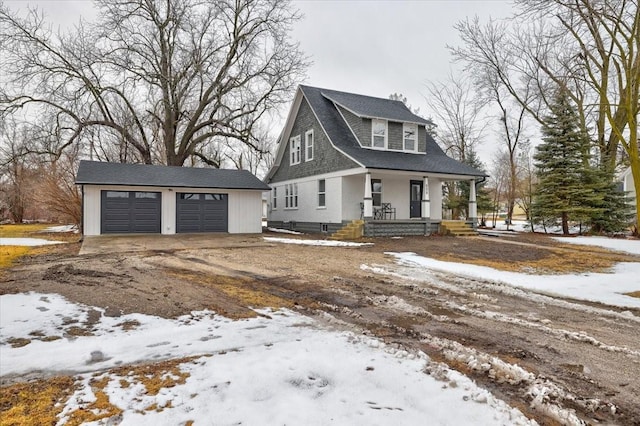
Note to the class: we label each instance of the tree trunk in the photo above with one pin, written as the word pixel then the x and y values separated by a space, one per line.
pixel 635 172
pixel 565 223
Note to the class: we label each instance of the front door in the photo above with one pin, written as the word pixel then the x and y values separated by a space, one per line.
pixel 415 199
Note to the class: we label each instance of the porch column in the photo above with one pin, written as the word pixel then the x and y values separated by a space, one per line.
pixel 368 199
pixel 426 205
pixel 473 207
pixel 435 199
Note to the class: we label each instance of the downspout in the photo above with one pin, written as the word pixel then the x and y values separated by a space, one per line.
pixel 81 224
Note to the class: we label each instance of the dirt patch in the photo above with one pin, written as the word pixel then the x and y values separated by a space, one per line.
pixel 550 337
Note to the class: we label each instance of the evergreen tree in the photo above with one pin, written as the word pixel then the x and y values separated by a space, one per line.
pixel 562 191
pixel 612 210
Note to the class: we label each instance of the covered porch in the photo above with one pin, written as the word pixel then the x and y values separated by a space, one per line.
pixel 392 202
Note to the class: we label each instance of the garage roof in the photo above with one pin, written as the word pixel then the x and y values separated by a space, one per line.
pixel 103 173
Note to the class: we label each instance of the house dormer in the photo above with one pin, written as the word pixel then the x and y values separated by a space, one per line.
pixel 381 124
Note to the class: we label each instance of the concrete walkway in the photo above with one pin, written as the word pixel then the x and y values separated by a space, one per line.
pixel 155 242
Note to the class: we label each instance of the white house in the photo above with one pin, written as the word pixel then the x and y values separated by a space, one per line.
pixel 344 156
pixel 137 198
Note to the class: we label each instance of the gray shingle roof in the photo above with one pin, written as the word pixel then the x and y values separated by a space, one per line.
pixel 435 160
pixel 103 173
pixel 370 107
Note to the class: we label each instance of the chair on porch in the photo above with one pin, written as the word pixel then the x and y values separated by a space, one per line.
pixel 386 211
pixel 382 212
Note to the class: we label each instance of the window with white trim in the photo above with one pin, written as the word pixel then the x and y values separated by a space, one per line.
pixel 294 150
pixel 291 196
pixel 378 133
pixel 322 194
pixel 410 136
pixel 274 200
pixel 376 192
pixel 308 146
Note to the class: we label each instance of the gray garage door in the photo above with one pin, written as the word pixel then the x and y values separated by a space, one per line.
pixel 201 212
pixel 130 212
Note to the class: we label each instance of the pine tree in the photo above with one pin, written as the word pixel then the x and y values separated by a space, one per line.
pixel 561 162
pixel 613 213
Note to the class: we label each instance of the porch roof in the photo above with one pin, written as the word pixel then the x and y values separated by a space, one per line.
pixel 435 160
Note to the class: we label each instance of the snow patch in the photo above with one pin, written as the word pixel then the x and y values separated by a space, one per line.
pixel 30 242
pixel 279 368
pixel 618 244
pixel 284 231
pixel 325 243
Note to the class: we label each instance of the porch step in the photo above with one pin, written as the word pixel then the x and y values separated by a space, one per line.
pixel 456 228
pixel 350 231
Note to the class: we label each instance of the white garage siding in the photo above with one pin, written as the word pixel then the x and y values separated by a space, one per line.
pixel 245 207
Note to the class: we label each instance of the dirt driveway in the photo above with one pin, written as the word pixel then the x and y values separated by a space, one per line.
pixel 532 350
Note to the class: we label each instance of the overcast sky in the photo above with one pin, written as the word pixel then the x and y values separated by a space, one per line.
pixel 369 47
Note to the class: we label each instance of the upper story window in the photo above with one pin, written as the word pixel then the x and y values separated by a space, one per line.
pixel 308 146
pixel 410 136
pixel 378 133
pixel 294 150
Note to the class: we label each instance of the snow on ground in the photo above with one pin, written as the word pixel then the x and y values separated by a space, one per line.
pixel 608 288
pixel 61 228
pixel 284 231
pixel 26 242
pixel 278 368
pixel 619 244
pixel 316 242
pixel 524 226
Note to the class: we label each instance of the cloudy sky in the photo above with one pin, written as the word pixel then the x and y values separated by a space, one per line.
pixel 369 47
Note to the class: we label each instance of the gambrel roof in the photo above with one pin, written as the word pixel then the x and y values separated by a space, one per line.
pixel 324 102
pixel 370 107
pixel 435 160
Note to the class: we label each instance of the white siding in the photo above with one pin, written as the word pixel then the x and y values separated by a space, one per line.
pixel 245 212
pixel 627 184
pixel 352 196
pixel 308 209
pixel 395 190
pixel 245 207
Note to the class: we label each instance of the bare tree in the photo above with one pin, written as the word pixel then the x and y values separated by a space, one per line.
pixel 512 133
pixel 589 48
pixel 458 112
pixel 60 193
pixel 152 81
pixel 14 172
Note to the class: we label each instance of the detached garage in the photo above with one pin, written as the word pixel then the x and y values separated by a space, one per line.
pixel 138 198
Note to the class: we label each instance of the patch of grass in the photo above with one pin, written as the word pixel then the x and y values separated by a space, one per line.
pixel 633 294
pixel 18 342
pixel 21 229
pixel 78 331
pixel 40 402
pixel 34 403
pixel 154 377
pixel 129 325
pixel 99 409
pixel 240 289
pixel 9 254
pixel 556 261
